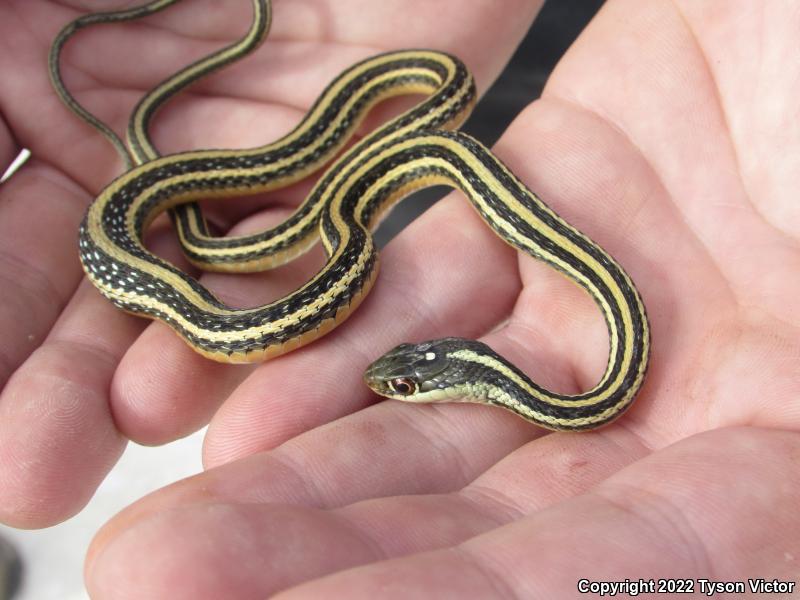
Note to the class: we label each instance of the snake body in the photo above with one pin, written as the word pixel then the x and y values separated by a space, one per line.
pixel 413 150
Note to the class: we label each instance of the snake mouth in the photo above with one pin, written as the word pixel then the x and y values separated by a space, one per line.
pixel 381 382
pixel 377 385
pixel 403 388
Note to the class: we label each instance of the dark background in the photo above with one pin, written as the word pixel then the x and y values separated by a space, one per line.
pixel 553 31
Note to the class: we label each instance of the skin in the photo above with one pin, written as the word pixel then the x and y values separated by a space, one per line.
pixel 666 133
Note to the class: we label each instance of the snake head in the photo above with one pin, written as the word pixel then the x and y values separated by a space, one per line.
pixel 416 372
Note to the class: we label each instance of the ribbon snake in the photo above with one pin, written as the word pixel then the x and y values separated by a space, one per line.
pixel 418 148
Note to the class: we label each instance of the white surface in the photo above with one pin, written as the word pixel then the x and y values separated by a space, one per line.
pixel 53 558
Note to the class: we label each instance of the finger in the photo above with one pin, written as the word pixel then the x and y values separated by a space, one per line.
pixel 677 514
pixel 163 389
pixel 383 450
pixel 63 348
pixel 54 414
pixel 375 460
pixel 53 405
pixel 39 215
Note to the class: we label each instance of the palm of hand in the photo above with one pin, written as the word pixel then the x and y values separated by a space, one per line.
pixel 658 137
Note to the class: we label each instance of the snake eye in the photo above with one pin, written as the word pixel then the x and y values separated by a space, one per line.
pixel 403 386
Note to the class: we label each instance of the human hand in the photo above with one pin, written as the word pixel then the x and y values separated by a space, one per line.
pixel 666 134
pixel 78 376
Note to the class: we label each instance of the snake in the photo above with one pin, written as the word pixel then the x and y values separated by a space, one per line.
pixel 359 184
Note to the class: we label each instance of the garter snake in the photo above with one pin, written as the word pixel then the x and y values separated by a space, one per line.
pixel 414 150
